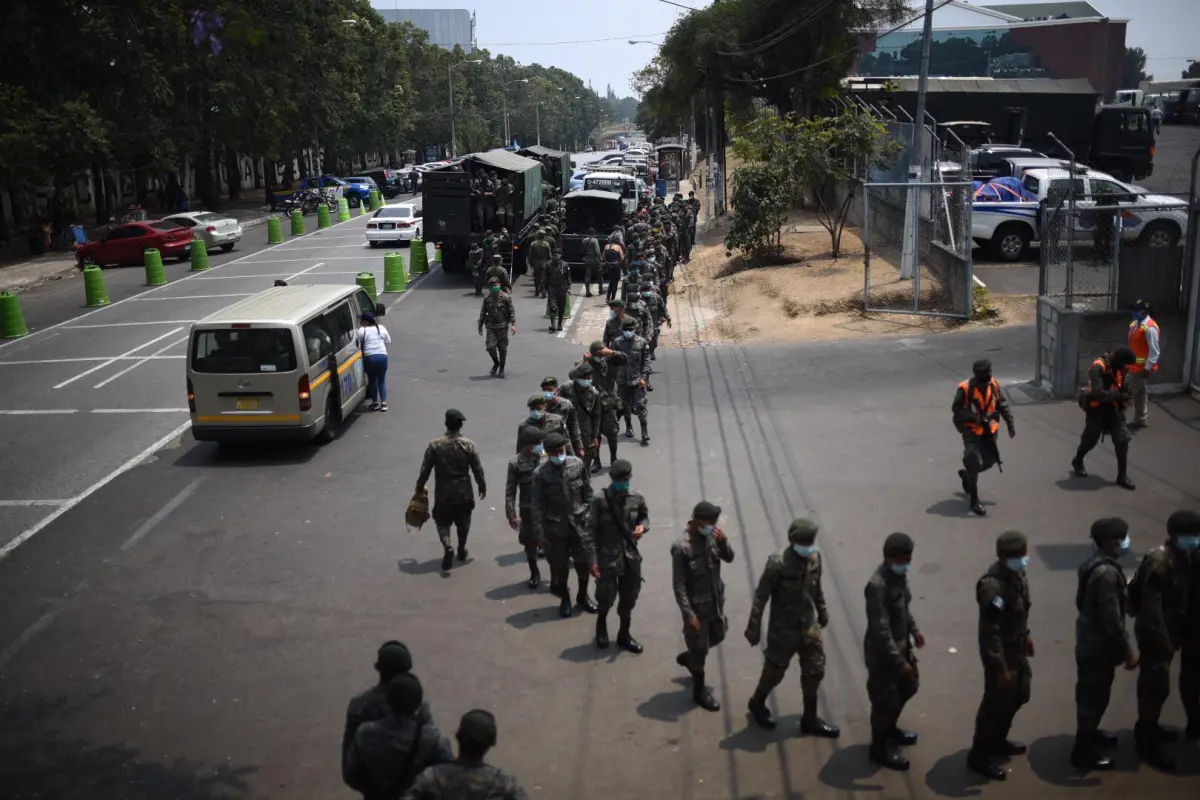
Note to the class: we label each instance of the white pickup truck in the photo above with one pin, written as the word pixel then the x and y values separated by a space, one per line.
pixel 1005 229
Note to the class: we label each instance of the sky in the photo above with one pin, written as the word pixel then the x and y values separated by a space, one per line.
pixel 561 33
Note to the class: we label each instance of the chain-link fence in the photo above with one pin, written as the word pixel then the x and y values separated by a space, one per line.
pixel 1103 251
pixel 917 243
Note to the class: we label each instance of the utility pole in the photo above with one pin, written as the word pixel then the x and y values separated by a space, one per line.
pixel 912 228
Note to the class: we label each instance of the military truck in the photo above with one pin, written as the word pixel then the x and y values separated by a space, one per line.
pixel 452 210
pixel 556 166
pixel 588 208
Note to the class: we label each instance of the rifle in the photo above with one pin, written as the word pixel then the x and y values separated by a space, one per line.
pixel 625 534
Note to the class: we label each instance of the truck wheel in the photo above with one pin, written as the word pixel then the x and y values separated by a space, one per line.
pixel 333 422
pixel 1010 242
pixel 1160 233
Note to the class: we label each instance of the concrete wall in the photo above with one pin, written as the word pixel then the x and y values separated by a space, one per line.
pixel 1070 339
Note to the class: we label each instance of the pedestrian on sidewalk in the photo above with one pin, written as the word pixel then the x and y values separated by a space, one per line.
pixel 373 338
pixel 1144 342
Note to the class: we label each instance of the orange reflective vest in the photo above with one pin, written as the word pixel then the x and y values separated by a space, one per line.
pixel 984 404
pixel 1139 345
pixel 1118 380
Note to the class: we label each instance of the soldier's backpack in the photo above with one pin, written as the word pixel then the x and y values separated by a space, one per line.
pixel 1134 606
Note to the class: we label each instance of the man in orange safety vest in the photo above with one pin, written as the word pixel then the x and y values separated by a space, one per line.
pixel 978 407
pixel 1144 342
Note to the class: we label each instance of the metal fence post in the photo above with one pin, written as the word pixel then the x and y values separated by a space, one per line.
pixel 866 247
pixel 1070 298
pixel 1114 271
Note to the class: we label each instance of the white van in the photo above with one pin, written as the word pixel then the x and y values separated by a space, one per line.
pixel 283 365
pixel 624 184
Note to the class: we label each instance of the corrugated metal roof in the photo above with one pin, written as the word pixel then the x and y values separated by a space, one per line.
pixel 502 159
pixel 1035 11
pixel 596 194
pixel 999 85
pixel 538 150
pixel 280 304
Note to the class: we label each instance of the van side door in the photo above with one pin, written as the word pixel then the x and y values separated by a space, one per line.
pixel 351 377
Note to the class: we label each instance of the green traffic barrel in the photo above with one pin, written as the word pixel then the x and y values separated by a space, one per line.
pixel 418 258
pixel 394 279
pixel 94 290
pixel 297 222
pixel 274 231
pixel 199 255
pixel 155 274
pixel 367 281
pixel 12 321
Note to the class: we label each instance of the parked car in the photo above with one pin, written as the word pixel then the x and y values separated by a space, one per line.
pixel 358 190
pixel 391 182
pixel 214 229
pixel 126 243
pixel 398 223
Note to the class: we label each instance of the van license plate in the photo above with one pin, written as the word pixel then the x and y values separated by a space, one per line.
pixel 247 405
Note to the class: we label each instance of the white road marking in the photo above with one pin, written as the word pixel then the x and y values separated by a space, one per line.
pixel 301 272
pixel 379 254
pixel 24 412
pixel 241 277
pixel 978 282
pixel 29 503
pixel 36 412
pixel 118 358
pixel 189 276
pixel 190 297
pixel 79 359
pixel 40 624
pixel 164 512
pixel 139 362
pixel 129 324
pixel 138 411
pixel 571 319
pixel 29 533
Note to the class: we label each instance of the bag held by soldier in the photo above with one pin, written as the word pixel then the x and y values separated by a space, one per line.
pixel 418 511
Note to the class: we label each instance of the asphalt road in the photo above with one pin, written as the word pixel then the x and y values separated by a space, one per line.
pixel 194 627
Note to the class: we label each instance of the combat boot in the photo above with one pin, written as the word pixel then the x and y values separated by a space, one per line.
pixel 885 756
pixel 447 560
pixel 503 361
pixel 1085 756
pixel 760 713
pixel 625 639
pixel 963 478
pixel 812 725
pixel 983 763
pixel 602 630
pixel 645 433
pixel 1149 746
pixel 462 548
pixel 535 574
pixel 1077 467
pixel 703 697
pixel 564 607
pixel 901 736
pixel 581 599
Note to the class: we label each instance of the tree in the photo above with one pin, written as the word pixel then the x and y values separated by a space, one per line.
pixel 1133 70
pixel 1192 71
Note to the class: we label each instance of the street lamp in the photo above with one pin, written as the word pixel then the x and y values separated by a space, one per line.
pixel 504 97
pixel 450 82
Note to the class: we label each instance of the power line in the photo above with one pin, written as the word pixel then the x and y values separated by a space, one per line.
pixel 575 41
pixel 678 5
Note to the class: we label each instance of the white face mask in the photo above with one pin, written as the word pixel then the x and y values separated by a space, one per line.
pixel 627 334
pixel 804 550
pixel 559 458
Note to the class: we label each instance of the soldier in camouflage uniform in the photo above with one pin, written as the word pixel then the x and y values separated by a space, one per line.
pixel 541 419
pixel 1101 641
pixel 558 286
pixel 632 377
pixel 587 402
pixel 605 363
pixel 452 459
pixel 791 583
pixel 658 313
pixel 565 409
pixel 892 634
pixel 520 477
pixel 562 494
pixel 499 318
pixel 635 307
pixel 468 776
pixel 618 520
pixel 497 271
pixel 392 659
pixel 540 252
pixel 387 754
pixel 696 558
pixel 476 266
pixel 1163 585
pixel 1005 649
pixel 612 327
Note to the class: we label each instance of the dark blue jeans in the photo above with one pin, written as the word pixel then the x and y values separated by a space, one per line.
pixel 376 368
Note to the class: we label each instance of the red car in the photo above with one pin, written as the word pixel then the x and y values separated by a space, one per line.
pixel 125 243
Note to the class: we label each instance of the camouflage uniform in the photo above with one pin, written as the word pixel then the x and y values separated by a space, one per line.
pixel 566 409
pixel 497 271
pixel 452 459
pixel 539 256
pixel 518 494
pixel 620 562
pixel 588 406
pixel 604 377
pixel 475 264
pixel 561 495
pixel 700 592
pixel 636 308
pixel 558 286
pixel 548 424
pixel 459 779
pixel 1003 598
pixel 658 315
pixel 1161 623
pixel 497 314
pixel 612 329
pixel 381 750
pixel 591 265
pixel 369 706
pixel 887 648
pixel 629 381
pixel 1101 641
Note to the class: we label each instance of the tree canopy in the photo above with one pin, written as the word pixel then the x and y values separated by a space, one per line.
pixel 1192 71
pixel 149 85
pixel 1133 71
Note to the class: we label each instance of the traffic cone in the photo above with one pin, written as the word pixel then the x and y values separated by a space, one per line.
pixel 94 290
pixel 12 321
pixel 274 231
pixel 155 274
pixel 394 279
pixel 199 256
pixel 367 281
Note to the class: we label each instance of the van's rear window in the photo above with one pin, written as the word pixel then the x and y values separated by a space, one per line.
pixel 237 352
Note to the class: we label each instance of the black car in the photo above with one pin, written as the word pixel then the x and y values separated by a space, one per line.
pixel 391 182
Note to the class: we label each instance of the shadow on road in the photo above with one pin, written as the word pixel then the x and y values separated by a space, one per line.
pixel 510 559
pixel 753 739
pixel 848 767
pixel 534 616
pixel 410 566
pixel 954 509
pixel 1073 483
pixel 234 455
pixel 588 652
pixel 949 777
pixel 1064 557
pixel 510 592
pixel 1050 760
pixel 669 706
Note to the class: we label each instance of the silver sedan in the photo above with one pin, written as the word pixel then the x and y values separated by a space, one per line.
pixel 214 229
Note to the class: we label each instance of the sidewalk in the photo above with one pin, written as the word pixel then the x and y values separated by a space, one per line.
pixel 24 272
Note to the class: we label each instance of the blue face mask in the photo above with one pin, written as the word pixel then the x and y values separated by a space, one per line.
pixel 628 334
pixel 537 414
pixel 548 395
pixel 620 486
pixel 538 449
pixel 1125 544
pixel 707 530
pixel 584 384
pixel 1187 543
pixel 899 569
pixel 612 314
pixel 1139 315
pixel 1017 564
pixel 559 458
pixel 804 550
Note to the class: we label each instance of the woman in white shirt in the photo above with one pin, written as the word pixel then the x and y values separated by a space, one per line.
pixel 373 339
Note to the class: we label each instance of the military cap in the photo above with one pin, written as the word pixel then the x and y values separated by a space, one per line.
pixel 549 380
pixel 898 544
pixel 532 435
pixel 493 281
pixel 596 347
pixel 1011 543
pixel 536 400
pixel 584 369
pixel 1184 523
pixel 454 415
pixel 1109 528
pixel 404 692
pixel 541 231
pixel 478 727
pixel 393 657
pixel 802 530
pixel 706 510
pixel 497 258
pixel 555 440
pixel 629 324
pixel 620 469
pixel 616 302
pixel 557 252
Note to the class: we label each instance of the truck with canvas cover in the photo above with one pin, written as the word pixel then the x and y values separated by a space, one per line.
pixel 458 209
pixel 556 165
pixel 588 209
